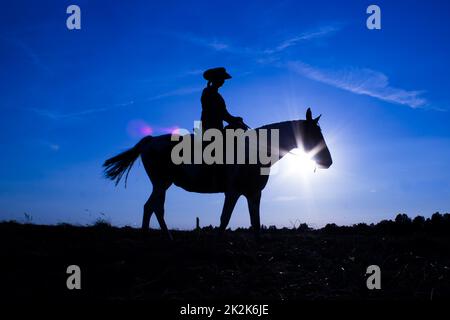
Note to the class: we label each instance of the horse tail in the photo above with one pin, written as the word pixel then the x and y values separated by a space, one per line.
pixel 117 166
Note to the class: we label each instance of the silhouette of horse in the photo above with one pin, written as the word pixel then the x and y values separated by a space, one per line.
pixel 234 179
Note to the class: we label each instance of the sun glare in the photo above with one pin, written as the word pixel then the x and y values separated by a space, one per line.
pixel 297 162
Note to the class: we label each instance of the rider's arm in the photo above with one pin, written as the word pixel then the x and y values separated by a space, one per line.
pixel 228 117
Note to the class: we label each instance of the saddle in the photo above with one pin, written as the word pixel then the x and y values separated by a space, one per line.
pixel 205 178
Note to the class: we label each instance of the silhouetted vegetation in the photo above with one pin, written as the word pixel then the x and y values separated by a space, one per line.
pixel 102 223
pixel 287 263
pixel 402 224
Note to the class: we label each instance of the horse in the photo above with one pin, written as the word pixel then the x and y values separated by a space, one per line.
pixel 234 180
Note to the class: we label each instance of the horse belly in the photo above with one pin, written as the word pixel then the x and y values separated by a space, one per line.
pixel 200 178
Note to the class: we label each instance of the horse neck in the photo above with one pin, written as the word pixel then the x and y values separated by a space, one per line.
pixel 290 134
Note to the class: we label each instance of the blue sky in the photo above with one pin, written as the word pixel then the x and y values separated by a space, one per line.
pixel 71 99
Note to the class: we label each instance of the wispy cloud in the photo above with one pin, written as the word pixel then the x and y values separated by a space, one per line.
pixel 211 43
pixel 52 146
pixel 222 45
pixel 177 92
pixel 28 52
pixel 362 81
pixel 193 72
pixel 216 44
pixel 303 37
pixel 54 115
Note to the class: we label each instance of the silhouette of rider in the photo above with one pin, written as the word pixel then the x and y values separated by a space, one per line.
pixel 214 110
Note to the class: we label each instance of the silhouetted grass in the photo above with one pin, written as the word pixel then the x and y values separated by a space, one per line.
pixel 287 264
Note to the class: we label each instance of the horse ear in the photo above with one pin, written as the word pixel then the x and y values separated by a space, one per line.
pixel 316 120
pixel 308 114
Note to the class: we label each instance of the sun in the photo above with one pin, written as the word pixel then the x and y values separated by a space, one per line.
pixel 298 161
pixel 295 170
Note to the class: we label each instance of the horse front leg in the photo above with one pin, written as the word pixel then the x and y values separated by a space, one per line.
pixel 254 200
pixel 228 206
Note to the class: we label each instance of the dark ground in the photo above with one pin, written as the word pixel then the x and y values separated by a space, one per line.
pixel 287 264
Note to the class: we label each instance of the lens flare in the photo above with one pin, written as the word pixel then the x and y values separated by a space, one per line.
pixel 171 130
pixel 139 129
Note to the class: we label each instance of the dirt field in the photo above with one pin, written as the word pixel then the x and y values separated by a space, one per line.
pixel 124 263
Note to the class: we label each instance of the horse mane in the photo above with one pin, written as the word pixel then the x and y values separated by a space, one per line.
pixel 278 124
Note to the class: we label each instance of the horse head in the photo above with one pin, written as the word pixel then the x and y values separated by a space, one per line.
pixel 314 143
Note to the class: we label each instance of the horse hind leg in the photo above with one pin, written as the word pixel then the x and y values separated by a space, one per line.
pixel 155 204
pixel 162 223
pixel 160 198
pixel 148 211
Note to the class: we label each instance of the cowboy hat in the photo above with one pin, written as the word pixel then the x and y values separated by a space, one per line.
pixel 216 74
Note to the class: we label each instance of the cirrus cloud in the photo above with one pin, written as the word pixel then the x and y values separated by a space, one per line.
pixel 361 81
